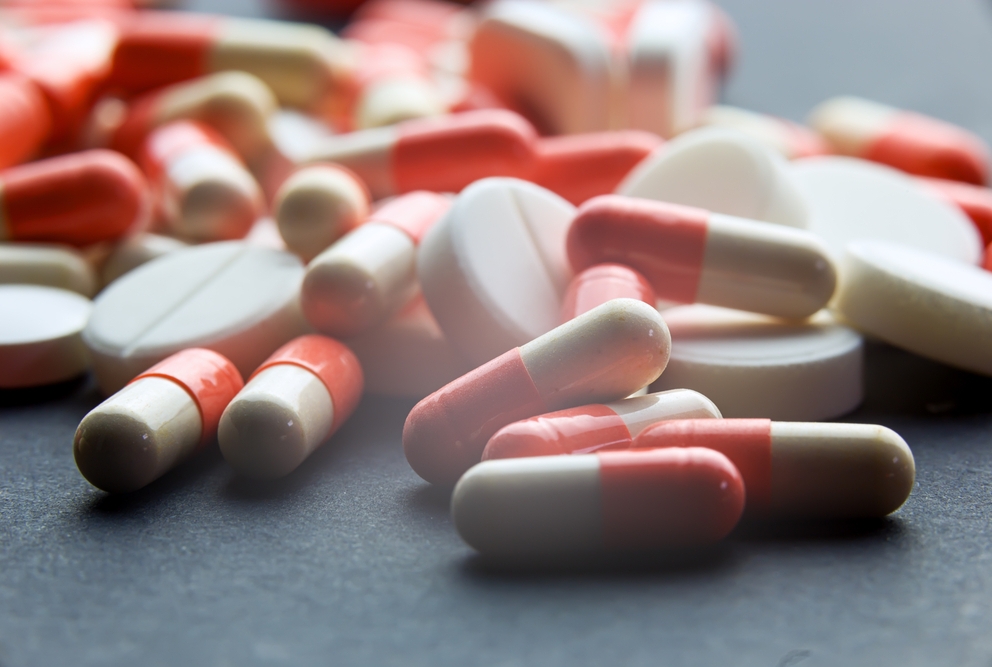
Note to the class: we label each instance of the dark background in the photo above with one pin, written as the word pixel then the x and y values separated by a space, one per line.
pixel 353 559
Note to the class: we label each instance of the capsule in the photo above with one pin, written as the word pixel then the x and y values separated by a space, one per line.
pixel 912 142
pixel 603 355
pixel 295 401
pixel 973 200
pixel 44 264
pixel 77 199
pixel 600 283
pixel 803 469
pixel 204 191
pixel 161 418
pixel 25 123
pixel 392 84
pixel 690 255
pixel 568 506
pixel 317 205
pixel 790 140
pixel 591 428
pixel 436 154
pixel 581 166
pixel 370 273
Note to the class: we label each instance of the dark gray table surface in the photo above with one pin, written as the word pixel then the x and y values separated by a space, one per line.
pixel 353 559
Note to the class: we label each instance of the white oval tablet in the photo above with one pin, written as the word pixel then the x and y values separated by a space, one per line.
pixel 723 171
pixel 921 302
pixel 851 200
pixel 235 299
pixel 40 335
pixel 756 366
pixel 494 270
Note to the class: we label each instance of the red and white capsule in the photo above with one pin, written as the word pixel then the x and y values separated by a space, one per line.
pixel 161 418
pixel 803 469
pixel 568 506
pixel 912 142
pixel 600 283
pixel 691 255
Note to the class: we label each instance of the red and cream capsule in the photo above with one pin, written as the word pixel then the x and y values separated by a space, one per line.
pixel 569 506
pixel 436 154
pixel 912 142
pixel 77 199
pixel 25 123
pixel 592 428
pixel 295 401
pixel 603 355
pixel 691 255
pixel 372 271
pixel 161 418
pixel 803 469
pixel 974 200
pixel 600 283
pixel 790 139
pixel 204 191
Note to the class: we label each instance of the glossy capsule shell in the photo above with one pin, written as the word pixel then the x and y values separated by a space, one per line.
pixel 603 355
pixel 803 469
pixel 295 401
pixel 157 421
pixel 26 121
pixel 600 283
pixel 691 255
pixel 591 428
pixel 568 506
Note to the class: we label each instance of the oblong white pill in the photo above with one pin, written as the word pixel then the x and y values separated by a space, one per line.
pixel 43 264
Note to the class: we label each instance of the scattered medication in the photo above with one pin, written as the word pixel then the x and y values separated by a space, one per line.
pixel 788 139
pixel 600 283
pixel 44 264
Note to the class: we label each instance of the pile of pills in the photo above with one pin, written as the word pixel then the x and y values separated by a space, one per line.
pixel 627 313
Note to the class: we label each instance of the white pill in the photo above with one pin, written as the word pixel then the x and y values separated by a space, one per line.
pixel 494 270
pixel 40 335
pixel 724 171
pixel 229 297
pixel 136 250
pixel 43 264
pixel 756 366
pixel 921 302
pixel 788 139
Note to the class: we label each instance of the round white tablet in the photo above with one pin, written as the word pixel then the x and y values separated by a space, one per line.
pixel 40 335
pixel 756 366
pixel 851 199
pixel 238 300
pixel 924 303
pixel 494 269
pixel 723 171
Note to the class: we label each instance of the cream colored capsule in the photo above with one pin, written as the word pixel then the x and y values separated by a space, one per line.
pixel 42 264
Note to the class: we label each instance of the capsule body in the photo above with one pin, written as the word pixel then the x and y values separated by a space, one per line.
pixel 370 273
pixel 26 121
pixel 690 255
pixel 158 420
pixel 803 469
pixel 570 506
pixel 295 400
pixel 600 283
pixel 602 355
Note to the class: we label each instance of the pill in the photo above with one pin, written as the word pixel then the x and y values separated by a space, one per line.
pixel 77 199
pixel 788 139
pixel 44 264
pixel 237 300
pixel 265 234
pixel 756 366
pixel 987 262
pixel 936 307
pixel 25 122
pixel 574 506
pixel 317 205
pixel 135 250
pixel 688 255
pixel 40 335
pixel 600 356
pixel 591 428
pixel 392 84
pixel 370 273
pixel 973 200
pixel 160 419
pixel 802 469
pixel 493 270
pixel 911 142
pixel 851 199
pixel 600 283
pixel 723 171
pixel 204 191
pixel 581 166
pixel 436 154
pixel 292 403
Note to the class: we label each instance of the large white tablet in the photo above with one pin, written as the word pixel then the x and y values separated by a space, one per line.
pixel 755 366
pixel 851 200
pixel 919 301
pixel 40 335
pixel 238 300
pixel 494 270
pixel 724 171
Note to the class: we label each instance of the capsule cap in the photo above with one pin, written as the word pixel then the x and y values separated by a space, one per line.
pixel 574 431
pixel 413 213
pixel 926 146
